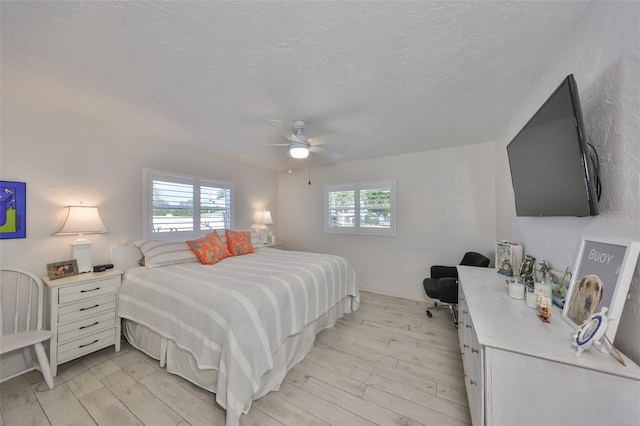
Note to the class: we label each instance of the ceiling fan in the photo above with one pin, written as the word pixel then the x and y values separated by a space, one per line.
pixel 300 146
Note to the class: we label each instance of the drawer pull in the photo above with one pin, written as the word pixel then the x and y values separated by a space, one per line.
pixel 91 307
pixel 89 344
pixel 472 383
pixel 88 291
pixel 87 326
pixel 464 312
pixel 474 350
pixel 465 345
pixel 467 325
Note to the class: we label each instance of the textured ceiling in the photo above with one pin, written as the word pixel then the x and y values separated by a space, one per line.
pixel 373 78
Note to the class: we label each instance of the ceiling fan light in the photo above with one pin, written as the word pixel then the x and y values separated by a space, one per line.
pixel 299 151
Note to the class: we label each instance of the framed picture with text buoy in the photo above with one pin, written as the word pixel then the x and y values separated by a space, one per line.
pixel 601 278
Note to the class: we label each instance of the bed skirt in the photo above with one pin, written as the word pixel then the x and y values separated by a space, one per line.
pixel 182 363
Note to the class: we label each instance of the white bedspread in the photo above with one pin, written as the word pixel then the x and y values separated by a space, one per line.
pixel 233 316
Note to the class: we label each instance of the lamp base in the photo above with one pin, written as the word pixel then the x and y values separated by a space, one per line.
pixel 82 253
pixel 264 235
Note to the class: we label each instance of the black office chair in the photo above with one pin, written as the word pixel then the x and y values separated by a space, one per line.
pixel 443 284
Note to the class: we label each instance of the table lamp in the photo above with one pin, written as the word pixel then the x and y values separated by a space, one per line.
pixel 82 220
pixel 263 217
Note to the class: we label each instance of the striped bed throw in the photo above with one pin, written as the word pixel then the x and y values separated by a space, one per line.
pixel 234 315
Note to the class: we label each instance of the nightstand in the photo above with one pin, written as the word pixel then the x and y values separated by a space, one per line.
pixel 82 315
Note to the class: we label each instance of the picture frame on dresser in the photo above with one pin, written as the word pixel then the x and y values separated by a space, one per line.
pixel 65 268
pixel 601 278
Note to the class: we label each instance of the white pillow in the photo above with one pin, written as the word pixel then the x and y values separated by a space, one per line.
pixel 161 253
pixel 255 239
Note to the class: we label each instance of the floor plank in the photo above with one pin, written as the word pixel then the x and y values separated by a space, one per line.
pixel 287 413
pixel 373 412
pixel 18 404
pixel 140 401
pixel 424 398
pixel 183 402
pixel 62 407
pixel 385 364
pixel 319 407
pixel 409 409
pixel 105 408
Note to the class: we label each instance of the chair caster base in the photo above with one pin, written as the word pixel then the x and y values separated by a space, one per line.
pixel 429 314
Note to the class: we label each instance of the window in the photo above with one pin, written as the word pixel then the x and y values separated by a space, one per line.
pixel 179 206
pixel 361 208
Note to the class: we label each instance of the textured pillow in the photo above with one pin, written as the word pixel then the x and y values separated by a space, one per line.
pixel 239 242
pixel 162 253
pixel 255 238
pixel 210 249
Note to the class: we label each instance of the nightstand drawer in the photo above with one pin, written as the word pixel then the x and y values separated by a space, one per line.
pixel 88 308
pixel 83 291
pixel 86 345
pixel 89 325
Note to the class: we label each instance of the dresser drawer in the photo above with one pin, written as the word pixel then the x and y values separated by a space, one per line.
pixel 84 291
pixel 86 345
pixel 88 308
pixel 77 329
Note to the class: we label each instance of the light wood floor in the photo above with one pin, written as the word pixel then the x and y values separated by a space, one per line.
pixel 386 364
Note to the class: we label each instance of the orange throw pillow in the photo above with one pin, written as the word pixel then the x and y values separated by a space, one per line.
pixel 239 242
pixel 210 249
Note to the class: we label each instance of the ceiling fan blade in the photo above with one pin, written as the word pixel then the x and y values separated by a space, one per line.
pixel 271 144
pixel 287 130
pixel 293 138
pixel 327 138
pixel 323 151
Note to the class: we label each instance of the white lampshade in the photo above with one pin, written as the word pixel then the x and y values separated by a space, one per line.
pixel 263 217
pixel 82 220
pixel 299 150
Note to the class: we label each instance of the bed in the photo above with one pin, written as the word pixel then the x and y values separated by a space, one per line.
pixel 237 327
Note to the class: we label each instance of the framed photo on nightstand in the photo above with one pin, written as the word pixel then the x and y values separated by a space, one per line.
pixel 66 268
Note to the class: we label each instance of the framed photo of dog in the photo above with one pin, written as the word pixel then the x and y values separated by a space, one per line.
pixel 601 278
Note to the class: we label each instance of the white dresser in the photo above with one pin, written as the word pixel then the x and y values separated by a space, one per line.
pixel 521 371
pixel 82 315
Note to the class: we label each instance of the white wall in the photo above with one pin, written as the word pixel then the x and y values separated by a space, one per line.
pixel 65 160
pixel 66 157
pixel 445 206
pixel 602 53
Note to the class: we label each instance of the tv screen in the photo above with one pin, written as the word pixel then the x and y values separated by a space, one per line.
pixel 548 160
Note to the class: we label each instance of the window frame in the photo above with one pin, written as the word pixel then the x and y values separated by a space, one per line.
pixel 356 188
pixel 150 175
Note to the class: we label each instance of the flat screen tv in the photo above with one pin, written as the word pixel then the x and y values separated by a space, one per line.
pixel 548 160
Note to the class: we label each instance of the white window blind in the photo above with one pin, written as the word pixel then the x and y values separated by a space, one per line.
pixel 178 206
pixel 361 208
